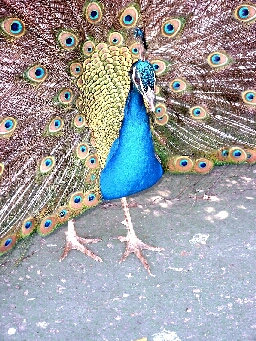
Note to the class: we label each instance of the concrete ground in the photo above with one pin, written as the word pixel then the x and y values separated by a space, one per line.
pixel 204 283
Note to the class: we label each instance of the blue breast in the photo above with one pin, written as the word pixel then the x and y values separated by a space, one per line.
pixel 131 165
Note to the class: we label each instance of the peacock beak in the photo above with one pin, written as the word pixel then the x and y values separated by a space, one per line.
pixel 150 96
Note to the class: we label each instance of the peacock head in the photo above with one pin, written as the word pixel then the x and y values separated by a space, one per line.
pixel 144 79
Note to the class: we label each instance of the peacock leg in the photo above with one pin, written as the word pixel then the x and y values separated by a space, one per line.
pixel 77 243
pixel 134 244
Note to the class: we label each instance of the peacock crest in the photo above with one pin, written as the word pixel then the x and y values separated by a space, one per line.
pixel 65 79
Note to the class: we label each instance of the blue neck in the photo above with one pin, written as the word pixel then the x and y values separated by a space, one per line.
pixel 131 165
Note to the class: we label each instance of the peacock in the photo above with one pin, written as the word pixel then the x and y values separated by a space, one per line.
pixel 100 98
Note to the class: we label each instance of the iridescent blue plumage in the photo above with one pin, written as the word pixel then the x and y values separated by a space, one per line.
pixel 132 165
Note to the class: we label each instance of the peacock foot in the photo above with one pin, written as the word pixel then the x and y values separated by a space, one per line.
pixel 135 245
pixel 77 243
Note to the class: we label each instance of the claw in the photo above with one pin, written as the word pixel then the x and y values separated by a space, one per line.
pixel 73 242
pixel 134 244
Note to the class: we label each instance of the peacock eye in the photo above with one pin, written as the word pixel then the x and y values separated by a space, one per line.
pixel 67 40
pixel 79 121
pixel 129 17
pixel 160 66
pixel 65 96
pixel 88 48
pixel 63 213
pixel 28 225
pixel 198 113
pixel 36 74
pixel 7 126
pixel 47 164
pixel 115 38
pixel 251 155
pixel 160 109
pixel 76 69
pixel 203 166
pixel 180 164
pixel 48 224
pixel 56 125
pixel 90 199
pixel 82 151
pixel 7 243
pixel 13 27
pixel 245 13
pixel 93 13
pixel 178 85
pixel 161 120
pixel 249 97
pixel 171 27
pixel 92 161
pixel 237 154
pixel 135 49
pixel 218 59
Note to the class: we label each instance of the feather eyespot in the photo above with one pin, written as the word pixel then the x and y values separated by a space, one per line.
pixel 36 73
pixel 67 40
pixel 75 69
pixel 223 153
pixel 129 17
pixel 63 214
pixel 160 66
pixel 47 164
pixel 180 164
pixel 90 199
pixel 65 96
pixel 160 109
pixel 56 125
pixel 82 151
pixel 251 155
pixel 249 97
pixel 92 161
pixel 88 48
pixel 79 121
pixel 237 154
pixel 135 50
pixel 178 85
pixel 7 243
pixel 203 166
pixel 47 225
pixel 28 226
pixel 76 201
pixel 161 116
pixel 171 27
pixel 218 59
pixel 7 126
pixel 93 12
pixel 161 120
pixel 13 27
pixel 198 113
pixel 115 38
pixel 245 13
